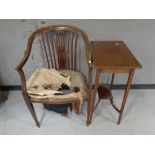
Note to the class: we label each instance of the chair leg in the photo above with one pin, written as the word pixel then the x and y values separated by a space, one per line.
pixel 32 111
pixel 77 107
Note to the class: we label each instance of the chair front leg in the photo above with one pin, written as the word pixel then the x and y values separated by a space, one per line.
pixel 31 109
pixel 89 94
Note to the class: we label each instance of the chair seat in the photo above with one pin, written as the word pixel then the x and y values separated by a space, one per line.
pixel 77 79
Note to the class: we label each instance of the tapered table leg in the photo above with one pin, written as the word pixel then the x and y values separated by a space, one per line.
pixel 98 72
pixel 130 77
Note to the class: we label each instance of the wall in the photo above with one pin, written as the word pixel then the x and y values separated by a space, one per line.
pixel 139 35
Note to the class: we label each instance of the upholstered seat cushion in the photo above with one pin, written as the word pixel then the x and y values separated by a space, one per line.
pixel 76 79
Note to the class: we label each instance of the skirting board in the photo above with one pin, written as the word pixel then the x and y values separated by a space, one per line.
pixel 115 87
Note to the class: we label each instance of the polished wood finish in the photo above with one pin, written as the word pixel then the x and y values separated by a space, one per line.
pixel 104 92
pixel 60 46
pixel 126 93
pixel 111 57
pixel 98 73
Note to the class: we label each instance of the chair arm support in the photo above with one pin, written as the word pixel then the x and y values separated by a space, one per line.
pixel 22 63
pixel 89 57
pixel 23 80
pixel 19 68
pixel 90 64
pixel 90 69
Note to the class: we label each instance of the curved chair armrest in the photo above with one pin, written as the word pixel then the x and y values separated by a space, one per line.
pixel 19 68
pixel 26 54
pixel 23 61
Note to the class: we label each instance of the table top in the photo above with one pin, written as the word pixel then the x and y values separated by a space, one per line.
pixel 113 54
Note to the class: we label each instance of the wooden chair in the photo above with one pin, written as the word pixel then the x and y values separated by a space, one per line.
pixel 61 48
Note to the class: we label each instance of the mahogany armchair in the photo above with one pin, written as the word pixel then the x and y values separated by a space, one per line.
pixel 60 48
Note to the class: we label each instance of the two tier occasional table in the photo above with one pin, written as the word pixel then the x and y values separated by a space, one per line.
pixel 111 57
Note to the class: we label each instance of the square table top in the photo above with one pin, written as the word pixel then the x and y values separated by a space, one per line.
pixel 113 54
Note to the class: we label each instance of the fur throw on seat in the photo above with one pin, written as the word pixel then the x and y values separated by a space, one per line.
pixel 45 82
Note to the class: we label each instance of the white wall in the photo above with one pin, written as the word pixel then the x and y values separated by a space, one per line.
pixel 139 35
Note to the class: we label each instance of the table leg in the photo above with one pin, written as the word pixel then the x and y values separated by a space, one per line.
pixel 130 77
pixel 98 72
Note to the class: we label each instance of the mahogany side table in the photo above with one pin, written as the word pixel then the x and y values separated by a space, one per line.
pixel 111 57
